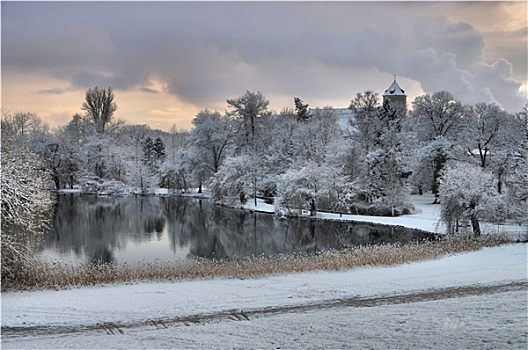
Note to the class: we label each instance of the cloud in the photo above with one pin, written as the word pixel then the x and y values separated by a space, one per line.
pixel 55 91
pixel 206 52
pixel 148 90
pixel 496 78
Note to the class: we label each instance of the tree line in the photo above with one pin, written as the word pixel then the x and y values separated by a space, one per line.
pixel 305 161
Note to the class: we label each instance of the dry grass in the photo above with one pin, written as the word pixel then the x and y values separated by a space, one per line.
pixel 57 276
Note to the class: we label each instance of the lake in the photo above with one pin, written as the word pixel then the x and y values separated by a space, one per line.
pixel 149 228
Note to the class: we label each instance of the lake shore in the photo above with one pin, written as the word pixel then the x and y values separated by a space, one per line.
pixel 426 218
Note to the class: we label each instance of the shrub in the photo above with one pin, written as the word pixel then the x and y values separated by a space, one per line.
pixel 64 276
pixel 98 186
pixel 381 208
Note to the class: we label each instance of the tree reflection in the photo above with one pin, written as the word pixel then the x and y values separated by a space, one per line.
pixel 94 228
pixel 102 256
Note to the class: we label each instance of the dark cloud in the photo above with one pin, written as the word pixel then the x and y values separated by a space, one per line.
pixel 55 91
pixel 148 90
pixel 207 51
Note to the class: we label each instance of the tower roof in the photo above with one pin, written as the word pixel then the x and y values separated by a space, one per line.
pixel 394 90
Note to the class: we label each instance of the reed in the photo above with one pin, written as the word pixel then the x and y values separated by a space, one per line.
pixel 61 276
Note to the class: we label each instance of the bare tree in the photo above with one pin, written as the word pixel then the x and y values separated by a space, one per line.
pixel 21 123
pixel 487 124
pixel 99 106
pixel 440 115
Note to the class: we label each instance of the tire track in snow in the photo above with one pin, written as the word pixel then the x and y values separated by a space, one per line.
pixel 113 328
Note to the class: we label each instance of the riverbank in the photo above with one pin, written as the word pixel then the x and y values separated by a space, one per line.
pixel 57 276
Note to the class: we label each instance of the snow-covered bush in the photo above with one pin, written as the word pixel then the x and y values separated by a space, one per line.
pixel 325 185
pixel 106 187
pixel 233 181
pixel 382 208
pixel 174 180
pixel 467 192
pixel 26 207
pixel 517 192
pixel 268 185
pixel 294 191
pixel 141 178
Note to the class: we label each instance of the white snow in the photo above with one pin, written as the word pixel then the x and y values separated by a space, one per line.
pixel 394 89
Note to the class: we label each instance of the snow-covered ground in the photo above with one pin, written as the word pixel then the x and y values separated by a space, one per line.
pixel 426 218
pixel 471 300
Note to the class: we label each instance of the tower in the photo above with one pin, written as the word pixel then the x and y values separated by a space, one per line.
pixel 395 96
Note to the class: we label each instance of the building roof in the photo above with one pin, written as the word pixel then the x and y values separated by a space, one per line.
pixel 394 90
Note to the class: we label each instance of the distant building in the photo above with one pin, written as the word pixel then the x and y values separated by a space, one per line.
pixel 395 96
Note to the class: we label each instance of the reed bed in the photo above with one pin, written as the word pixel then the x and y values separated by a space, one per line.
pixel 59 276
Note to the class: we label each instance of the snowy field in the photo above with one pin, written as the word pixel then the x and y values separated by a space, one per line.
pixel 471 300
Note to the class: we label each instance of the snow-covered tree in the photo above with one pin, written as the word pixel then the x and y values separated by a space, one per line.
pixel 212 136
pixel 95 153
pixel 26 206
pixel 247 109
pixel 517 185
pixel 70 139
pixel 377 132
pixel 340 152
pixel 142 178
pixel 467 192
pixel 175 174
pixel 159 149
pixel 431 160
pixel 153 152
pixel 313 138
pixel 366 123
pixel 441 124
pixel 313 187
pixel 176 168
pixel 21 123
pixel 279 149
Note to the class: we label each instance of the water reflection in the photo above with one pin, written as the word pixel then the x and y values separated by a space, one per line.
pixel 100 229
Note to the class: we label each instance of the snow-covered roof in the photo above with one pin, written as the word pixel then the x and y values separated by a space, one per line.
pixel 394 90
pixel 343 115
pixel 336 112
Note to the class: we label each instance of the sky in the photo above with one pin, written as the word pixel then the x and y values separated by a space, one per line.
pixel 168 60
